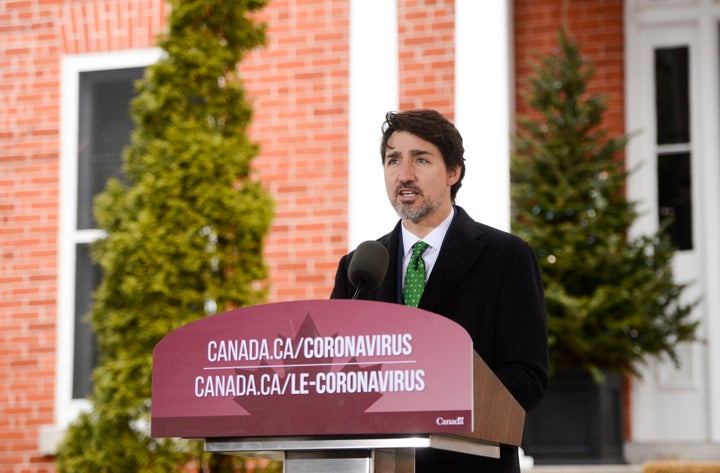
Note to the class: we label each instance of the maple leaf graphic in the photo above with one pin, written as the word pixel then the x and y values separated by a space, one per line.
pixel 307 408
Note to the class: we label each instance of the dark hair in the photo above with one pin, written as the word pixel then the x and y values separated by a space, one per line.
pixel 431 126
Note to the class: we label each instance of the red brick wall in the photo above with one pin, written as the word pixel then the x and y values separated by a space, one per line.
pixel 597 25
pixel 299 85
pixel 426 53
pixel 299 88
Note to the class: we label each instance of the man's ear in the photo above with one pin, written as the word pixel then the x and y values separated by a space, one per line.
pixel 453 175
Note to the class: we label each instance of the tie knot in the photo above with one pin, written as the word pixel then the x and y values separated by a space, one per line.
pixel 419 248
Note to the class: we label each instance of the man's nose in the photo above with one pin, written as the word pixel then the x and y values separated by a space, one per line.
pixel 406 172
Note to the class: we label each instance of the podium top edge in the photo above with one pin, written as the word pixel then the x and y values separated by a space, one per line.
pixel 300 443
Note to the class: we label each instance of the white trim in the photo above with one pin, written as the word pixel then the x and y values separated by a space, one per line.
pixel 483 98
pixel 67 408
pixel 709 229
pixel 663 385
pixel 374 90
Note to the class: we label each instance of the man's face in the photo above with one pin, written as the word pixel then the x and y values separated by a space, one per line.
pixel 417 180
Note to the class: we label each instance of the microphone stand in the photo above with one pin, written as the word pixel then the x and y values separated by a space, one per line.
pixel 357 291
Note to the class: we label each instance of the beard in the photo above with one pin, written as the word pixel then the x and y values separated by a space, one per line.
pixel 415 211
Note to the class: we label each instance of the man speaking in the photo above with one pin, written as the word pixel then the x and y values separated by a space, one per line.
pixel 443 261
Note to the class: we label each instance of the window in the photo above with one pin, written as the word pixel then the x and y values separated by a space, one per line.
pixel 95 128
pixel 104 128
pixel 672 105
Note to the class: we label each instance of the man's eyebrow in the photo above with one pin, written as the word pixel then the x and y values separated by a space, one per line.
pixel 418 152
pixel 413 152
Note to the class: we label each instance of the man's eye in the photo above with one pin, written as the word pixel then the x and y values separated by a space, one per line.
pixel 391 161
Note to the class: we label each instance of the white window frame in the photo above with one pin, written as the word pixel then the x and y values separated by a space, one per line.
pixel 66 408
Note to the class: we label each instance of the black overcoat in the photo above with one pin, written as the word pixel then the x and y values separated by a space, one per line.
pixel 489 282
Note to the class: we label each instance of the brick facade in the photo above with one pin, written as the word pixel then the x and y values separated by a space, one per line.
pixel 427 55
pixel 597 25
pixel 299 87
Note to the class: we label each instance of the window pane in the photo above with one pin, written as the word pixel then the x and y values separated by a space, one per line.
pixel 675 197
pixel 104 131
pixel 672 91
pixel 104 126
pixel 87 278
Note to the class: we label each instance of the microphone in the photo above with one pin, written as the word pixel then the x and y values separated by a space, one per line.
pixel 368 266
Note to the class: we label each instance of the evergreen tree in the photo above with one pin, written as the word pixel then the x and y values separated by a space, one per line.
pixel 612 301
pixel 185 230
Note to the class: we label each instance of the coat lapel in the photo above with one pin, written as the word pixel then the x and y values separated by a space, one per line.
pixel 460 250
pixel 388 291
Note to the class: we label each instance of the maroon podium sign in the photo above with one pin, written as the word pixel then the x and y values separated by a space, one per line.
pixel 318 367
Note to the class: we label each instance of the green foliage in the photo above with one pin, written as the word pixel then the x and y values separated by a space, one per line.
pixel 184 232
pixel 612 300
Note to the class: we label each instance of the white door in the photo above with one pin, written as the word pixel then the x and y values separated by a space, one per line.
pixel 672 104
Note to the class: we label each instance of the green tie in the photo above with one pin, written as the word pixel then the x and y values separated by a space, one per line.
pixel 415 275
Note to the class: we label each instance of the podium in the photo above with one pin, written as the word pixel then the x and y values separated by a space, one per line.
pixel 330 386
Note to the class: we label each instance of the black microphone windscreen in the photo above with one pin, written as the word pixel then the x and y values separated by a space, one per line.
pixel 368 265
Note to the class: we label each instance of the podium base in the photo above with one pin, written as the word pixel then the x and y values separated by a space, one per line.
pixel 385 454
pixel 350 461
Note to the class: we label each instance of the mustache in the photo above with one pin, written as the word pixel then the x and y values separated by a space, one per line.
pixel 408 187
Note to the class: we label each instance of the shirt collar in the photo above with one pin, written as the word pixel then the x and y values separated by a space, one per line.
pixel 434 238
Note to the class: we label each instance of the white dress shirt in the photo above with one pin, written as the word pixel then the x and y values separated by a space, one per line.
pixel 434 239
